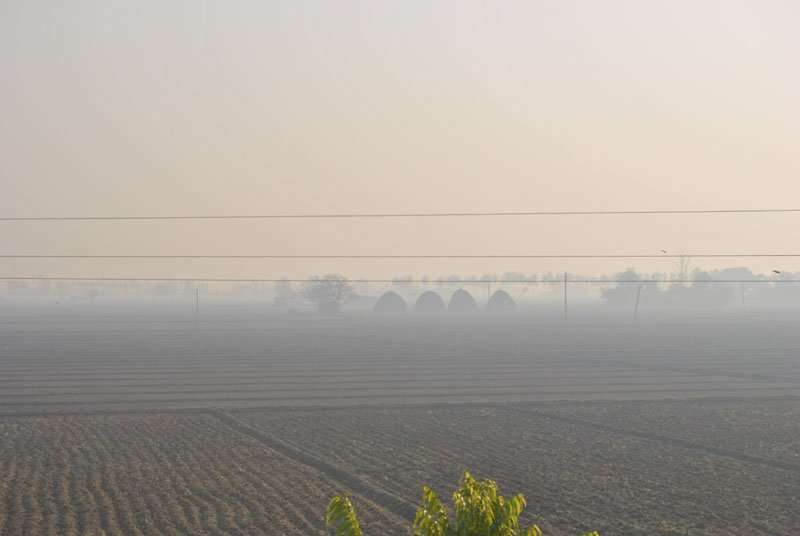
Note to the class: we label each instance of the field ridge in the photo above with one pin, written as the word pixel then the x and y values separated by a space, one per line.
pixel 380 497
pixel 672 441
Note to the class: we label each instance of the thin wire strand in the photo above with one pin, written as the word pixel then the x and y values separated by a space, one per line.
pixel 392 281
pixel 377 257
pixel 400 215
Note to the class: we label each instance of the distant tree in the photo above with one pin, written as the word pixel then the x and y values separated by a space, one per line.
pixel 284 293
pixel 329 292
pixel 684 264
pixel 702 292
pixel 403 281
pixel 699 278
pixel 479 510
pixel 514 276
pixel 166 288
pixel 550 277
pixel 92 294
pixel 187 287
pixel 623 293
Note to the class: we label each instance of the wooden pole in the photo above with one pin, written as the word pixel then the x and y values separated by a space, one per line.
pixel 566 309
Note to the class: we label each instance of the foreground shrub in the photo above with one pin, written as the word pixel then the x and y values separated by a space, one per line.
pixel 479 508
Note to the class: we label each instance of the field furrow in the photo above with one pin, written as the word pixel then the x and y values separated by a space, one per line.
pixel 148 424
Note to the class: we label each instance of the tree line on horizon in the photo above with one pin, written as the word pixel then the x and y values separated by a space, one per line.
pixel 697 288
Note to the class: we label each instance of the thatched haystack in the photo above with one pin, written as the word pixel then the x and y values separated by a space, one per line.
pixel 429 302
pixel 390 302
pixel 501 302
pixel 462 302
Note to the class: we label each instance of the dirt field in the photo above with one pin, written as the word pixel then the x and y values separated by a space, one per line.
pixel 155 474
pixel 147 422
pixel 574 475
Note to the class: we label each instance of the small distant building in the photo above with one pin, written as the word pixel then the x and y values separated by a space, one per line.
pixel 429 302
pixel 390 302
pixel 501 302
pixel 462 302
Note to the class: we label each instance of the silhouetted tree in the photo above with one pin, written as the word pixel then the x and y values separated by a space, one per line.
pixel 329 292
pixel 284 293
pixel 623 293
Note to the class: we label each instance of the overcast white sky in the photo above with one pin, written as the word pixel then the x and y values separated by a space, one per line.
pixel 200 107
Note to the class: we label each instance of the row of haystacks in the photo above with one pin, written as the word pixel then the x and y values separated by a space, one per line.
pixel 430 302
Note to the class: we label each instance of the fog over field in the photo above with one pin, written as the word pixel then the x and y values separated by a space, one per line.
pixel 227 356
pixel 258 258
pixel 123 419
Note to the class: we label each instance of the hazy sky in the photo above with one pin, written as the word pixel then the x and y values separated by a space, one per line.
pixel 198 107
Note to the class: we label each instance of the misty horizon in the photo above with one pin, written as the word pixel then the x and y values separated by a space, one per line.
pixel 290 267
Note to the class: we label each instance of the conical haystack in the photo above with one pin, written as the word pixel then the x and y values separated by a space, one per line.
pixel 390 302
pixel 501 302
pixel 429 302
pixel 462 302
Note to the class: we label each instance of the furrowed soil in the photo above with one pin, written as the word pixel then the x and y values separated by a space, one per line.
pixel 574 475
pixel 145 421
pixel 156 474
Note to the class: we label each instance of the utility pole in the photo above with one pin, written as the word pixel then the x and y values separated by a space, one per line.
pixel 196 302
pixel 566 310
pixel 636 306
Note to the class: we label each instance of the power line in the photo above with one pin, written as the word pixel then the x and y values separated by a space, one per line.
pixel 393 281
pixel 401 215
pixel 376 257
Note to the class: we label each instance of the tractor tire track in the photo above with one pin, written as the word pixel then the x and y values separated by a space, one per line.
pixel 392 503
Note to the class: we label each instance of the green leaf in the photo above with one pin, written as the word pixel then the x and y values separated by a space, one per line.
pixel 479 508
pixel 342 517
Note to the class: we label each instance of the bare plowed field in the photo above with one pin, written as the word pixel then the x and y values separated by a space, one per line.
pixel 573 474
pixel 155 474
pixel 768 429
pixel 147 423
pixel 94 363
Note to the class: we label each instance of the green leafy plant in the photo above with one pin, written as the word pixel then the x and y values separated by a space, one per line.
pixel 342 517
pixel 479 509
